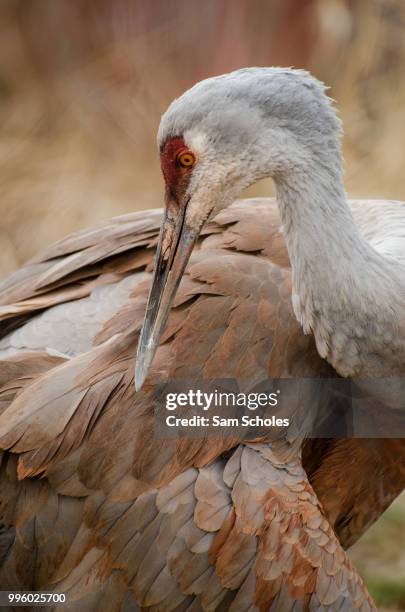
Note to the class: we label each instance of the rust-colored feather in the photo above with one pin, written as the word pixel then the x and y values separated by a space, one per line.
pixel 119 518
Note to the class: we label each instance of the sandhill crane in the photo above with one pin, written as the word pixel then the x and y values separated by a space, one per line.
pixel 94 505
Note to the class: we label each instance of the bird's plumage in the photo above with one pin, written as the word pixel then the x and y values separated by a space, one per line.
pixel 92 503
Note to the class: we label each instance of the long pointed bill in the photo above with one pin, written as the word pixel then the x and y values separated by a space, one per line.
pixel 176 243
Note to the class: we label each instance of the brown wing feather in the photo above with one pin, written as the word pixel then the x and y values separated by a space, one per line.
pixel 217 538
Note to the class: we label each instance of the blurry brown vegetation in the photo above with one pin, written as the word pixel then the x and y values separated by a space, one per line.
pixel 84 82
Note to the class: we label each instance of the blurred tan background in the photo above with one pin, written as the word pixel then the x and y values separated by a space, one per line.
pixel 84 82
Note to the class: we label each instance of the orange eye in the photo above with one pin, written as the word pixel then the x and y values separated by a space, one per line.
pixel 186 159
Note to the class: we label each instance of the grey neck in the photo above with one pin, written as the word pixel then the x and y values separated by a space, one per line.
pixel 344 292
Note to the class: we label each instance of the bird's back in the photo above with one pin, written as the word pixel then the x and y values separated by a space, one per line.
pixel 64 297
pixel 113 491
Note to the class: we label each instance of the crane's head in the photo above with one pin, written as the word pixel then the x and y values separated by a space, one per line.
pixel 219 137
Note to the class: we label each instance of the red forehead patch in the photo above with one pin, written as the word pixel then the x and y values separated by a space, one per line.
pixel 168 157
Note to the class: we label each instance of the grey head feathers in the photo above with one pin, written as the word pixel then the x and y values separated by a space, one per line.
pixel 234 109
